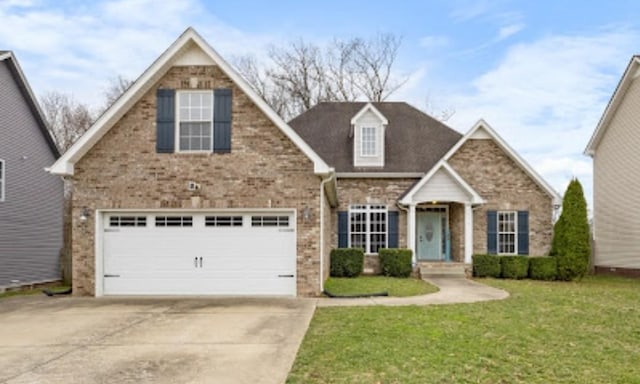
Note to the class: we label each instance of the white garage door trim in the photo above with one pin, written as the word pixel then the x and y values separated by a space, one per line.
pixel 100 230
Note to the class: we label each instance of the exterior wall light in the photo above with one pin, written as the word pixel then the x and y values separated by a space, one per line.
pixel 84 215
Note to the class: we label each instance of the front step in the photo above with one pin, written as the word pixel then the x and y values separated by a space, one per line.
pixel 459 270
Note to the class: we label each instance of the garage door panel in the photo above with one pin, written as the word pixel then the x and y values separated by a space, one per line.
pixel 200 259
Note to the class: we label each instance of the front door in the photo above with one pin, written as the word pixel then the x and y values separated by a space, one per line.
pixel 430 236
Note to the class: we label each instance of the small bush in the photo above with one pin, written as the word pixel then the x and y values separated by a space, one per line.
pixel 346 262
pixel 514 267
pixel 395 262
pixel 486 266
pixel 543 268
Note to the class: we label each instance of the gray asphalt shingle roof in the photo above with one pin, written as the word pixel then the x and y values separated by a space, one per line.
pixel 414 141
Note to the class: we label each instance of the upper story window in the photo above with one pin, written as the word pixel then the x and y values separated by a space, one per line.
pixel 369 134
pixel 368 144
pixel 3 179
pixel 195 121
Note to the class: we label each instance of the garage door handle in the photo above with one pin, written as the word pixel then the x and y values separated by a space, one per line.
pixel 201 262
pixel 285 275
pixel 195 262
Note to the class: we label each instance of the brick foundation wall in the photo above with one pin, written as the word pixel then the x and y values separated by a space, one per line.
pixel 265 169
pixel 505 186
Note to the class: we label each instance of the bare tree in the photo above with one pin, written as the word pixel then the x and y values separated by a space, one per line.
pixel 373 60
pixel 117 86
pixel 68 119
pixel 302 74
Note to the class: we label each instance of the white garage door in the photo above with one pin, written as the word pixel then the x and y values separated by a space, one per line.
pixel 205 253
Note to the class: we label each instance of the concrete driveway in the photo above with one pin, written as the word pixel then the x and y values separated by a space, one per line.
pixel 161 340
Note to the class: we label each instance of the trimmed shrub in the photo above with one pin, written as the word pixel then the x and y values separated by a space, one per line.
pixel 395 262
pixel 570 242
pixel 543 268
pixel 486 266
pixel 346 262
pixel 514 267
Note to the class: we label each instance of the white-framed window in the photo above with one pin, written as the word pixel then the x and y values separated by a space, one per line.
pixel 3 179
pixel 194 121
pixel 368 227
pixel 507 233
pixel 127 221
pixel 368 143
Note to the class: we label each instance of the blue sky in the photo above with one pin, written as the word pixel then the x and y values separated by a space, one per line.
pixel 539 72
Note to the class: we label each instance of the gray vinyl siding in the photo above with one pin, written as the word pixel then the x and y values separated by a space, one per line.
pixel 617 187
pixel 31 213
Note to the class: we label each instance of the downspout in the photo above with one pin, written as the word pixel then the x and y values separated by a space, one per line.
pixel 331 177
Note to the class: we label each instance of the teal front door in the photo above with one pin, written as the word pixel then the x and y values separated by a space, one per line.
pixel 430 237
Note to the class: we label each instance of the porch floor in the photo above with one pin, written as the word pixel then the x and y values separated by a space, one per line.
pixel 443 269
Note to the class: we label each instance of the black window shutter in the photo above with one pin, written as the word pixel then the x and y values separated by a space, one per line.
pixel 165 120
pixel 523 232
pixel 392 241
pixel 492 232
pixel 343 229
pixel 222 120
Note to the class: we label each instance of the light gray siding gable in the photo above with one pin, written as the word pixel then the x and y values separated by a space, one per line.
pixel 31 212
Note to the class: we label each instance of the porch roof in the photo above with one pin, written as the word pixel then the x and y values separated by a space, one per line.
pixel 441 183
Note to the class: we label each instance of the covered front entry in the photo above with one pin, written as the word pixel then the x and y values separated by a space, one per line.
pixel 440 201
pixel 433 239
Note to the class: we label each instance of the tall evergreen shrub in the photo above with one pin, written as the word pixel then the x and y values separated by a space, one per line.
pixel 570 243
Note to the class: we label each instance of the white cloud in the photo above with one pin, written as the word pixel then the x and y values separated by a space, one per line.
pixel 434 41
pixel 509 30
pixel 77 49
pixel 545 98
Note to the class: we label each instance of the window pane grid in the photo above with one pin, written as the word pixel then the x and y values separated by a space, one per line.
pixel 223 221
pixel 269 221
pixel 368 227
pixel 174 221
pixel 128 221
pixel 195 121
pixel 507 233
pixel 368 141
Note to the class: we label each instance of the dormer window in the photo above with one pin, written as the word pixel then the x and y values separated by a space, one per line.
pixel 368 142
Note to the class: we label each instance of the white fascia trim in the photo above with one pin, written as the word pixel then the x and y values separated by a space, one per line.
pixel 511 152
pixel 618 95
pixel 369 107
pixel 442 164
pixel 64 165
pixel 379 175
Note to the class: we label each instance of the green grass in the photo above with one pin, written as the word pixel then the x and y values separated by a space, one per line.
pixel 398 287
pixel 34 291
pixel 546 332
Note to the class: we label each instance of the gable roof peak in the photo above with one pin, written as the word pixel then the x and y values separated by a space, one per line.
pixel 493 135
pixel 630 74
pixel 369 107
pixel 65 165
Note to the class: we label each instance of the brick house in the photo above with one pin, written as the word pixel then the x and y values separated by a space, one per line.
pixel 191 184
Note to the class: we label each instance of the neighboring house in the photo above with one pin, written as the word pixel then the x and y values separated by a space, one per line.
pixel 616 179
pixel 191 184
pixel 31 200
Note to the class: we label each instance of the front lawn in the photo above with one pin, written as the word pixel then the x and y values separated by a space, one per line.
pixel 546 332
pixel 398 287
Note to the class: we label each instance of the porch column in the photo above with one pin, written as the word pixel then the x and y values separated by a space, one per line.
pixel 411 231
pixel 468 233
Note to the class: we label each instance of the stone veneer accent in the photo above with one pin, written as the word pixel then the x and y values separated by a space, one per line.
pixel 265 169
pixel 505 186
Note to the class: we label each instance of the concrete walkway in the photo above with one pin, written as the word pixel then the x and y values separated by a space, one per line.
pixel 452 291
